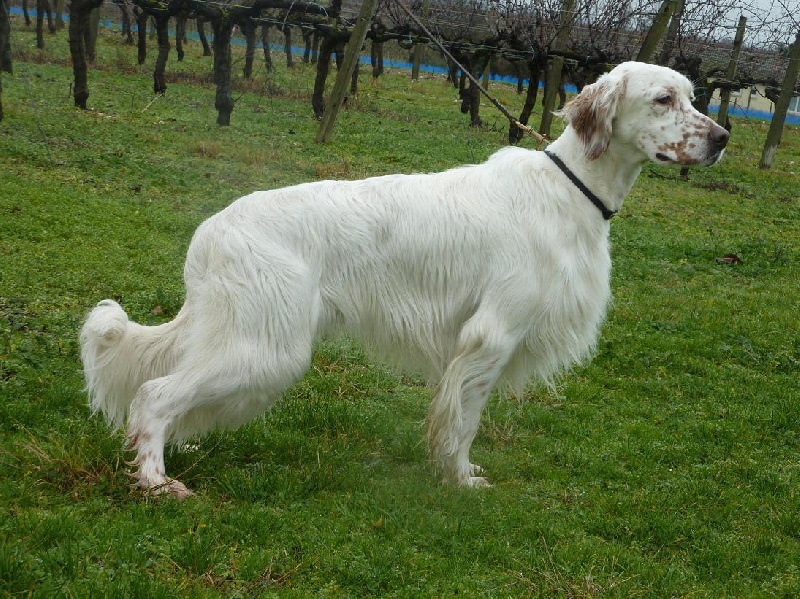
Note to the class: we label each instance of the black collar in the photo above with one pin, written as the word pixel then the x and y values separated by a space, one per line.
pixel 607 214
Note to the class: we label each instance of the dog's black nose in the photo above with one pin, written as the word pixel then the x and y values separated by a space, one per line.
pixel 718 136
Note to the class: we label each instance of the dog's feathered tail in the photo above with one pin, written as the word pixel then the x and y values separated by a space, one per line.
pixel 119 355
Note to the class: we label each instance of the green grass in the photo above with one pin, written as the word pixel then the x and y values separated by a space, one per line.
pixel 668 466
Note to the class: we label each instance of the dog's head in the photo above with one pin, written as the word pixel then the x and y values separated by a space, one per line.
pixel 647 109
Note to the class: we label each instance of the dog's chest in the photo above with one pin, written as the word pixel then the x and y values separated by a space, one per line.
pixel 571 302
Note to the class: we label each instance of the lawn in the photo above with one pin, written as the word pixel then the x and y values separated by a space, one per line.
pixel 668 466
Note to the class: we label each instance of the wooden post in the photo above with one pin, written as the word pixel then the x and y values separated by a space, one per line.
pixel 554 70
pixel 5 48
pixel 5 38
pixel 418 47
pixel 782 105
pixel 730 74
pixel 417 59
pixel 351 56
pixel 59 14
pixel 416 62
pixel 656 31
pixel 555 67
pixel 672 33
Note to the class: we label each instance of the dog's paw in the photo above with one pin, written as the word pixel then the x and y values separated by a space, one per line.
pixel 177 490
pixel 169 488
pixel 476 482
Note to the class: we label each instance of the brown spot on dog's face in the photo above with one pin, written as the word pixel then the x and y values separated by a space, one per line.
pixel 700 142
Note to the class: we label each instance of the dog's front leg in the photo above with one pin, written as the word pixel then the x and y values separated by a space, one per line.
pixel 458 466
pixel 455 412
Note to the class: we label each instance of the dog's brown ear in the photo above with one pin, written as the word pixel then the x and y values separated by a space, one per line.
pixel 591 114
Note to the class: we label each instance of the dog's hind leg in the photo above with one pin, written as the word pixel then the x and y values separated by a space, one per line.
pixel 222 384
pixel 153 410
pixel 461 395
pixel 197 399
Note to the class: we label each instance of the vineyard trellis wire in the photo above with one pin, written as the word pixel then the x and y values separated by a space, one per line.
pixel 517 36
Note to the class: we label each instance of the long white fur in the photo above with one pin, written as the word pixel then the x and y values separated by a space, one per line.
pixel 477 275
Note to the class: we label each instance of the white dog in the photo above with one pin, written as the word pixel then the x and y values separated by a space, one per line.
pixel 481 274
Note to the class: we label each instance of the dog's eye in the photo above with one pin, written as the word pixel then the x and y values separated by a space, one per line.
pixel 664 100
